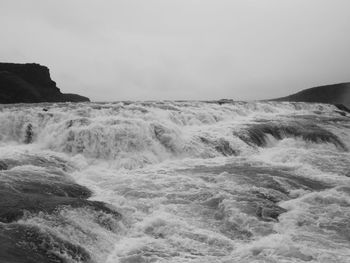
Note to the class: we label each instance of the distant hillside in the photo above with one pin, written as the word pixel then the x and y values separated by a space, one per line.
pixel 332 94
pixel 30 83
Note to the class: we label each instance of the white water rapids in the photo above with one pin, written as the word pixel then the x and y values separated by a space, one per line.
pixel 192 181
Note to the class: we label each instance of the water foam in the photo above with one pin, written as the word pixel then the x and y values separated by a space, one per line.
pixel 189 186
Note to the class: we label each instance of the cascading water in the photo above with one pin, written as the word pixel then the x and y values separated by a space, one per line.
pixel 174 182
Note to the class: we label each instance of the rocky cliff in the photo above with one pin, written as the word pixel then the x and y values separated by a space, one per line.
pixel 30 83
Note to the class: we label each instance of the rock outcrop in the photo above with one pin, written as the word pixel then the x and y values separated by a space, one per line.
pixel 338 94
pixel 30 83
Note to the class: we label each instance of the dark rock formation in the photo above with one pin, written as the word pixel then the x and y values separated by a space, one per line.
pixel 331 94
pixel 74 97
pixel 30 83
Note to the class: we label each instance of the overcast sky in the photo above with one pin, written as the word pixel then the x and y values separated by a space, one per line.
pixel 180 49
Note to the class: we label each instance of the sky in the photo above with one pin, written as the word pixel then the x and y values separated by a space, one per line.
pixel 111 50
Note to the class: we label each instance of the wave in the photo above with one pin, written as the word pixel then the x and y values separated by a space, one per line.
pixel 47 216
pixel 136 134
pixel 258 134
pixel 204 182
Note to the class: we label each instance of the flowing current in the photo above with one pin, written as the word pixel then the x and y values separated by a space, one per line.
pixel 134 182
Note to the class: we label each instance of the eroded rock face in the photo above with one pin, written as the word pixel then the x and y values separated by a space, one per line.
pixel 30 83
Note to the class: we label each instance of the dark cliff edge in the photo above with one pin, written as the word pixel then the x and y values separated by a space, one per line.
pixel 31 83
pixel 337 94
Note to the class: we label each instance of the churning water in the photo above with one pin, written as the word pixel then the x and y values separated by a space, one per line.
pixel 134 182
